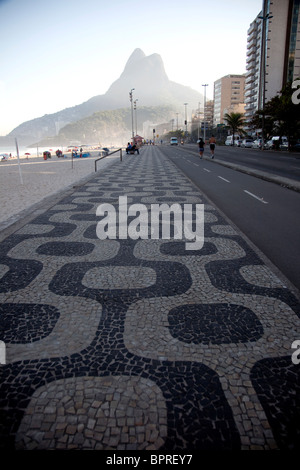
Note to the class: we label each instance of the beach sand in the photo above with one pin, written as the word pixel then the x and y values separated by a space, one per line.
pixel 41 179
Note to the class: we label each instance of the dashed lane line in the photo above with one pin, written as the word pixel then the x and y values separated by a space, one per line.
pixel 224 179
pixel 260 199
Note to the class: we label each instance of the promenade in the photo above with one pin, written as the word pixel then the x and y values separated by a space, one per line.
pixel 141 344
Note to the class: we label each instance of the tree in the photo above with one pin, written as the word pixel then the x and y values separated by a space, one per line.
pixel 281 115
pixel 179 133
pixel 235 122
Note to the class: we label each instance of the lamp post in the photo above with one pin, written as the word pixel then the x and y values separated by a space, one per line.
pixel 204 123
pixel 130 97
pixel 199 122
pixel 185 120
pixel 263 72
pixel 135 115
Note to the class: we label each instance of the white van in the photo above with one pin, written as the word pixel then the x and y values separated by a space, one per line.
pixel 229 140
pixel 173 141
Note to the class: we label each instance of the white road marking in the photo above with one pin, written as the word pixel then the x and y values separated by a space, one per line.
pixel 260 199
pixel 208 171
pixel 223 179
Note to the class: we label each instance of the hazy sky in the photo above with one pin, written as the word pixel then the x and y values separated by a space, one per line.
pixel 59 53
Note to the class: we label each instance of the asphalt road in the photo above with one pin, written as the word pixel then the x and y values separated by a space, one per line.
pixel 280 163
pixel 265 212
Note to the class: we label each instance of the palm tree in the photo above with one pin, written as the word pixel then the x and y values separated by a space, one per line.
pixel 236 122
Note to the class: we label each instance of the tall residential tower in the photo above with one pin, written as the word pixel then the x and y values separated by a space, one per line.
pixel 273 52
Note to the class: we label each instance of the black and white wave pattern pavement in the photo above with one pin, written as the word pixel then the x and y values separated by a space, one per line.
pixel 140 344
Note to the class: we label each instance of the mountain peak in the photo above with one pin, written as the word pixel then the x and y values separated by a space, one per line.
pixel 140 72
pixel 136 56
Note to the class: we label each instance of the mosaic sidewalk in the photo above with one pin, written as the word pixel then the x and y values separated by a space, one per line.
pixel 140 344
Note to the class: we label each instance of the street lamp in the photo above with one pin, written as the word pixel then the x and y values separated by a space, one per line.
pixel 204 135
pixel 185 121
pixel 263 66
pixel 199 122
pixel 130 97
pixel 135 115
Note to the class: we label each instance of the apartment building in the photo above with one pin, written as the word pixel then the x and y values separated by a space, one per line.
pixel 282 39
pixel 229 92
pixel 253 68
pixel 273 52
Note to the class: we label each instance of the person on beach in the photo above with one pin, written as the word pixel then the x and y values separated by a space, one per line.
pixel 201 147
pixel 129 147
pixel 212 145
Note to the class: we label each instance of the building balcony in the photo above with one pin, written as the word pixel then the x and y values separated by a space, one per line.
pixel 250 67
pixel 249 81
pixel 249 93
pixel 252 46
pixel 249 85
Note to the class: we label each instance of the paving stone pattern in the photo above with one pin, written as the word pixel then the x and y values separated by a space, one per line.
pixel 141 344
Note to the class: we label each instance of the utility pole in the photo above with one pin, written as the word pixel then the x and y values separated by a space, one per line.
pixel 185 120
pixel 199 121
pixel 204 123
pixel 135 116
pixel 130 97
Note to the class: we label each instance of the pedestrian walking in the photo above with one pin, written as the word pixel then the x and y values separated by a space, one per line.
pixel 201 147
pixel 212 145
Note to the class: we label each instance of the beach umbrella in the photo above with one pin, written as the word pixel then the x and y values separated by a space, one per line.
pixel 27 153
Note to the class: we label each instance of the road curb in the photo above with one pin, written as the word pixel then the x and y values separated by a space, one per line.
pixel 285 182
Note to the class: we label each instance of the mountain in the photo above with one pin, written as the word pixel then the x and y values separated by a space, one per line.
pixel 146 74
pixel 112 127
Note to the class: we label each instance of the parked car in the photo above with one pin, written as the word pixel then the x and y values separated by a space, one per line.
pixel 284 145
pixel 229 140
pixel 295 146
pixel 247 143
pixel 173 141
pixel 257 144
pixel 269 145
pixel 276 142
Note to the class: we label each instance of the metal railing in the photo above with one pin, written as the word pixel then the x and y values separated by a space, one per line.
pixel 111 153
